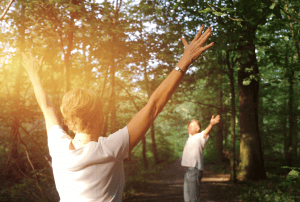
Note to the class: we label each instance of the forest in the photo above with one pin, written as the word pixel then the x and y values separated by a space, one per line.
pixel 122 50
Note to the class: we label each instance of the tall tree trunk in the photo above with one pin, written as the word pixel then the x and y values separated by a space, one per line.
pixel 154 149
pixel 252 163
pixel 261 117
pixel 6 9
pixel 105 123
pixel 295 138
pixel 13 155
pixel 289 138
pixel 112 100
pixel 285 131
pixel 293 116
pixel 225 135
pixel 291 120
pixel 144 153
pixel 232 120
pixel 152 129
pixel 113 110
pixel 220 125
pixel 67 57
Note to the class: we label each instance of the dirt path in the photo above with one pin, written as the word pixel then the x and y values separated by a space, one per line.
pixel 168 186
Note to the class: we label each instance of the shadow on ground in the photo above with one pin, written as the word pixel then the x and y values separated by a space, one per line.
pixel 168 186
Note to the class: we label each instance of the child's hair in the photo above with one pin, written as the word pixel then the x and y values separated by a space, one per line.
pixel 82 110
pixel 193 120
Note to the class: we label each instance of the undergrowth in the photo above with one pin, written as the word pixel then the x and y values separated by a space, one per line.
pixel 276 188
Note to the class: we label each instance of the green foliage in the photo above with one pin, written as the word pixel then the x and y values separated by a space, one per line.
pixel 235 23
pixel 219 169
pixel 29 189
pixel 275 188
pixel 134 182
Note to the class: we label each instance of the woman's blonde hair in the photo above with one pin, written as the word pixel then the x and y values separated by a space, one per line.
pixel 82 110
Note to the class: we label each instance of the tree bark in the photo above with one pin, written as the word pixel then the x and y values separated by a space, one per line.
pixel 289 138
pixel 293 116
pixel 220 125
pixel 13 155
pixel 252 162
pixel 113 110
pixel 152 129
pixel 291 120
pixel 105 123
pixel 67 57
pixel 6 9
pixel 225 135
pixel 285 131
pixel 144 153
pixel 232 119
pixel 154 149
pixel 112 100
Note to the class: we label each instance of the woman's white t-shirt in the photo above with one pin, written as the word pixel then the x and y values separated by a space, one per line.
pixel 92 173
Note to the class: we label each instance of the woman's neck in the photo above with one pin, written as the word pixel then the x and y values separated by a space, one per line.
pixel 84 138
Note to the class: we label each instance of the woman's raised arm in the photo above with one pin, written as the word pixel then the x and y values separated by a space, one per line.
pixel 141 122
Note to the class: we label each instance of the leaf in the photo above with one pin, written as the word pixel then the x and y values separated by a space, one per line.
pixel 272 6
pixel 218 13
pixel 207 10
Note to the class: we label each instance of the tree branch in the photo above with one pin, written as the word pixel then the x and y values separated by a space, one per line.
pixel 285 12
pixel 137 108
pixel 290 7
pixel 212 106
pixel 130 96
pixel 238 20
pixel 58 25
pixel 28 134
pixel 33 168
pixel 6 9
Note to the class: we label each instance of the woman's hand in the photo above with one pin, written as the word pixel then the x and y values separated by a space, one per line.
pixel 30 63
pixel 193 50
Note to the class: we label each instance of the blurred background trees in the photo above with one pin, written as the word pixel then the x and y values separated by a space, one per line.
pixel 123 50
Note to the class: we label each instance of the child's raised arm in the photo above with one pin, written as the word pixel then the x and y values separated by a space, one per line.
pixel 43 100
pixel 139 125
pixel 213 121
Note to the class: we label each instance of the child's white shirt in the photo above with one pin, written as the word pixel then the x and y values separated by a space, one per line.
pixel 92 173
pixel 193 151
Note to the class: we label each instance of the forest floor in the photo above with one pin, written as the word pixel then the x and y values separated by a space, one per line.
pixel 167 186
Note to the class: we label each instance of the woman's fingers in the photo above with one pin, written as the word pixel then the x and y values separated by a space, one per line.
pixel 25 58
pixel 199 33
pixel 23 55
pixel 31 56
pixel 205 36
pixel 202 49
pixel 41 61
pixel 195 48
pixel 30 62
pixel 208 46
pixel 185 43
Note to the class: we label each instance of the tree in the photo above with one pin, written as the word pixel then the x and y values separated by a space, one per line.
pixel 14 153
pixel 6 9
